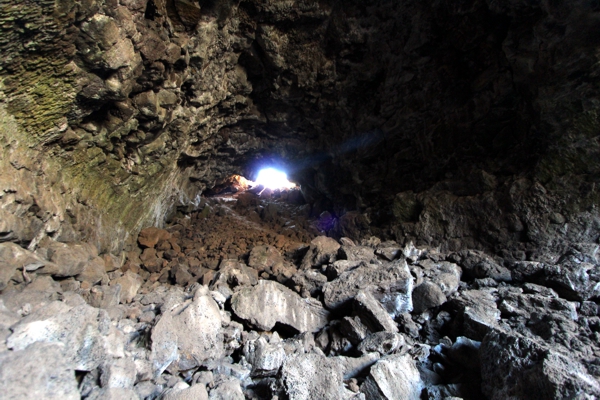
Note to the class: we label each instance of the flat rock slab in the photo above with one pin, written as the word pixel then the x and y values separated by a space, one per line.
pixel 391 284
pixel 270 302
pixel 393 377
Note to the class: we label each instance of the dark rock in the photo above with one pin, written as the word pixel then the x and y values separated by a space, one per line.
pixel 391 284
pixel 372 313
pixel 322 250
pixel 381 342
pixel 427 295
pixel 515 366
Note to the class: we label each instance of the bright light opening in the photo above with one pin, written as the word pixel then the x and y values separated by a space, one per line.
pixel 273 179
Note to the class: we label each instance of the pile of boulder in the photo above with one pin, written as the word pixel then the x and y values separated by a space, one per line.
pixel 282 318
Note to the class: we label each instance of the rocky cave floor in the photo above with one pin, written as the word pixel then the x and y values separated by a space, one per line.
pixel 245 297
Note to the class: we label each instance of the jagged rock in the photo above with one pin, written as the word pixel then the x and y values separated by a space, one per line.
pixel 478 265
pixel 354 366
pixel 391 284
pixel 444 274
pixel 68 259
pixel 393 377
pixel 313 376
pixel 357 253
pixel 322 250
pixel 381 342
pixel 515 366
pixel 130 283
pixel 84 331
pixel 118 373
pixel 39 293
pixel 265 258
pixel 309 282
pixel 265 358
pixel 188 333
pixel 226 388
pixel 353 329
pixel 149 237
pixel 338 267
pixel 269 302
pixel 427 295
pixel 93 272
pixel 105 296
pixel 477 313
pixel 40 370
pixel 372 313
pixel 389 250
pixel 13 257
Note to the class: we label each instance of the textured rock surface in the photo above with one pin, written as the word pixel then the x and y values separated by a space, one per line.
pixel 269 303
pixel 393 377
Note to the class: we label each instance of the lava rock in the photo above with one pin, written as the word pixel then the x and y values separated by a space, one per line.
pixel 188 333
pixel 382 343
pixel 149 237
pixel 322 250
pixel 269 302
pixel 391 284
pixel 393 377
pixel 313 376
pixel 41 370
pixel 372 313
pixel 519 367
pixel 427 295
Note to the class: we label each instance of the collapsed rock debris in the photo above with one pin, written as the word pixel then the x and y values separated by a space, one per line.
pixel 243 297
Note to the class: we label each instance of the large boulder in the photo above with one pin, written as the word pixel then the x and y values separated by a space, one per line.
pixel 270 302
pixel 188 334
pixel 513 366
pixel 85 332
pixel 393 377
pixel 313 376
pixel 39 371
pixel 391 284
pixel 322 250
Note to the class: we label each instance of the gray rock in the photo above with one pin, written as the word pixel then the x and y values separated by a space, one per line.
pixel 269 302
pixel 513 366
pixel 389 250
pixel 313 376
pixel 130 283
pixel 39 293
pixel 338 267
pixel 444 274
pixel 196 392
pixel 265 358
pixel 13 257
pixel 354 366
pixel 111 393
pixel 427 295
pixel 353 329
pixel 391 284
pixel 227 388
pixel 118 373
pixel 372 313
pixel 188 333
pixel 93 272
pixel 264 258
pixel 322 250
pixel 105 296
pixel 68 259
pixel 40 371
pixel 357 253
pixel 309 282
pixel 381 342
pixel 393 377
pixel 83 330
pixel 477 313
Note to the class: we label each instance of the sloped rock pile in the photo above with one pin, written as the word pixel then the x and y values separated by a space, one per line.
pixel 242 298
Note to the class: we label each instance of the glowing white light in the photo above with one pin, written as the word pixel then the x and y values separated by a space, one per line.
pixel 273 179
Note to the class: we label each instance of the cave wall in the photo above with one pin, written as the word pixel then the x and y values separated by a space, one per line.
pixel 470 124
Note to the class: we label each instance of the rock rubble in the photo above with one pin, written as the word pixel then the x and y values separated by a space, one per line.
pixel 198 311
